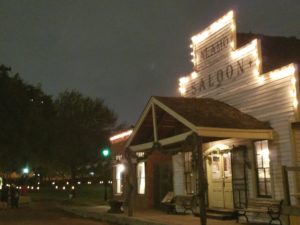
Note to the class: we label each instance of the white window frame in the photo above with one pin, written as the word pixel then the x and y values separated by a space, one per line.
pixel 141 178
pixel 119 173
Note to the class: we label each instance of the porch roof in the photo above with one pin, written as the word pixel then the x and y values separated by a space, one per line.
pixel 169 120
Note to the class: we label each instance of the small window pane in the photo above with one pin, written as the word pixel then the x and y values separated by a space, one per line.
pixel 263 168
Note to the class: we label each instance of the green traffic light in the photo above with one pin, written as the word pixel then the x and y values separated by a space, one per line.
pixel 105 152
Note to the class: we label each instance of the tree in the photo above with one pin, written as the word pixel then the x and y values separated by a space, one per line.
pixel 25 117
pixel 83 125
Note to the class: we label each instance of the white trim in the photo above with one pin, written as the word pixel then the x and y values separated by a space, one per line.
pixel 235 133
pixel 139 122
pixel 163 142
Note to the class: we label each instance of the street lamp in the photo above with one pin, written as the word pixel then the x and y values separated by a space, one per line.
pixel 105 153
pixel 25 170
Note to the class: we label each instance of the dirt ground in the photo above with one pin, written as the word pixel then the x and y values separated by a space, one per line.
pixel 41 213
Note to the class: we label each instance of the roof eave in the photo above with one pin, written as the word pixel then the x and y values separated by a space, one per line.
pixel 267 134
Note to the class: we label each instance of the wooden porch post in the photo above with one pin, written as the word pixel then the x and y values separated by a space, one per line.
pixel 197 148
pixel 130 183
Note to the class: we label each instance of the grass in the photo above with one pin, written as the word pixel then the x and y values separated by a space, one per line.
pixel 85 195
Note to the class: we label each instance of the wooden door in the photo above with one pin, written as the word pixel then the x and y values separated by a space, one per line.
pixel 220 181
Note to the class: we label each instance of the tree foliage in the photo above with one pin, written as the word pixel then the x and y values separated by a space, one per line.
pixel 53 137
pixel 25 118
pixel 83 125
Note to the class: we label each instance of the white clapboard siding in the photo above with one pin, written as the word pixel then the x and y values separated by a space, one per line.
pixel 178 175
pixel 268 101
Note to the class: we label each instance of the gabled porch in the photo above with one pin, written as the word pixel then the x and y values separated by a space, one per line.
pixel 186 129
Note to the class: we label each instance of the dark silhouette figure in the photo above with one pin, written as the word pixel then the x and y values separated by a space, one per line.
pixel 4 196
pixel 14 196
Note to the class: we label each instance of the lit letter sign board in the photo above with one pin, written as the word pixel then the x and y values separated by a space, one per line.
pixel 216 61
pixel 223 72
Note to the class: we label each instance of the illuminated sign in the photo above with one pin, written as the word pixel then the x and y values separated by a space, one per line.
pixel 220 67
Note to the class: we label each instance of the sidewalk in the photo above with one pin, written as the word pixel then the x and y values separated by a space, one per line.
pixel 149 217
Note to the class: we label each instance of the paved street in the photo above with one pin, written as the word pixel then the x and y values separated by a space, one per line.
pixel 42 213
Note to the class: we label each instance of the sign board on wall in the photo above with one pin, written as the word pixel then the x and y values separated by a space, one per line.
pixel 216 61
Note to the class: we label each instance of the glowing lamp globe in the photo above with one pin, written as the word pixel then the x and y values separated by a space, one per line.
pixel 105 153
pixel 25 170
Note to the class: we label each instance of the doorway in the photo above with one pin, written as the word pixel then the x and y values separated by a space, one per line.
pixel 219 175
pixel 163 182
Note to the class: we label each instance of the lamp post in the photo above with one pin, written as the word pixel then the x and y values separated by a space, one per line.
pixel 105 154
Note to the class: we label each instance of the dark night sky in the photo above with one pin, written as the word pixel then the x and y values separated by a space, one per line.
pixel 123 51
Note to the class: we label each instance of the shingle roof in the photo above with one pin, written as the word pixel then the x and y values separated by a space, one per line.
pixel 207 112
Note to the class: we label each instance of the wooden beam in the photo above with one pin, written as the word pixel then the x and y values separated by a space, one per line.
pixel 154 123
pixel 139 122
pixel 175 115
pixel 235 133
pixel 163 142
pixel 198 158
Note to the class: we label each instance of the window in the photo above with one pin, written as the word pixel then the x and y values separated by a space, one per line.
pixel 119 172
pixel 141 178
pixel 188 172
pixel 263 168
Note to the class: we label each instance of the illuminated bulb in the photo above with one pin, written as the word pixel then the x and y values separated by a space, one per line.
pixel 184 80
pixel 191 46
pixel 255 54
pixel 230 14
pixel 194 75
pixel 232 27
pixel 78 182
pixel 257 62
pixel 73 187
pixel 200 37
pixel 255 72
pixel 261 79
pixel 278 74
pixel 295 103
pixel 293 93
pixel 182 90
pixel 56 187
pixel 67 183
pixel 37 188
pixel 53 183
pixel 64 188
pixel 192 53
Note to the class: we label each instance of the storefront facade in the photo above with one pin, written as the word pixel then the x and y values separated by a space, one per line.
pixel 246 116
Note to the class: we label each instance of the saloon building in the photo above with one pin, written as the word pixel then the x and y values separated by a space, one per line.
pixel 241 102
